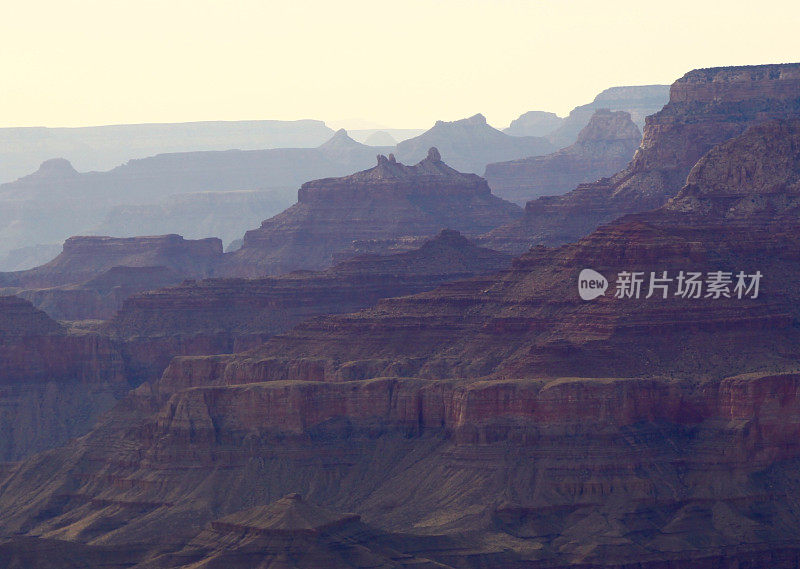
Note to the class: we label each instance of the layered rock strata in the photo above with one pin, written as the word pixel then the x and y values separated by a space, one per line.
pixel 706 108
pixel 231 315
pixel 551 431
pixel 53 383
pixel 389 201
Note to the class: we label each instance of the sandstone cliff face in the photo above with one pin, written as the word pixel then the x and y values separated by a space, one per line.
pixel 470 144
pixel 707 107
pixel 230 315
pixel 500 408
pixel 391 200
pixel 53 384
pixel 604 147
pixel 738 212
pixel 101 297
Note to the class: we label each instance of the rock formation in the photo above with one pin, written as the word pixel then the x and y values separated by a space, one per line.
pixel 380 138
pixel 495 422
pixel 470 144
pixel 84 258
pixel 707 107
pixel 292 533
pixel 56 201
pixel 53 383
pixel 391 200
pixel 102 296
pixel 640 101
pixel 231 315
pixel 604 147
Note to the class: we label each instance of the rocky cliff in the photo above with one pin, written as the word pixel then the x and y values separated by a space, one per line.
pixel 501 421
pixel 56 202
pixel 707 107
pixel 102 296
pixel 604 147
pixel 230 315
pixel 639 101
pixel 53 383
pixel 389 201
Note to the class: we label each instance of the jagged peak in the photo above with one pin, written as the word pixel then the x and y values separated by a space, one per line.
pixel 389 168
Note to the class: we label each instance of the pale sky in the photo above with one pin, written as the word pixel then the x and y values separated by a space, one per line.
pixel 399 63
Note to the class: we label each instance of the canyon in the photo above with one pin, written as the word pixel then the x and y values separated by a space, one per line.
pixel 706 108
pixel 71 372
pixel 496 421
pixel 444 406
pixel 33 207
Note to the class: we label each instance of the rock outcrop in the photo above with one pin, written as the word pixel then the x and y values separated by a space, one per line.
pixel 706 108
pixel 604 147
pixel 85 258
pixel 639 101
pixel 503 411
pixel 231 315
pixel 56 201
pixel 389 201
pixel 226 215
pixel 470 144
pixel 53 383
pixel 102 296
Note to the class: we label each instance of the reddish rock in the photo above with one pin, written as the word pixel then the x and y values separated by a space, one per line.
pixel 53 383
pixel 500 408
pixel 707 107
pixel 389 201
pixel 604 146
pixel 102 296
pixel 228 315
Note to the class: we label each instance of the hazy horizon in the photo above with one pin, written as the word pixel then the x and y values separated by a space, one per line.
pixel 403 65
